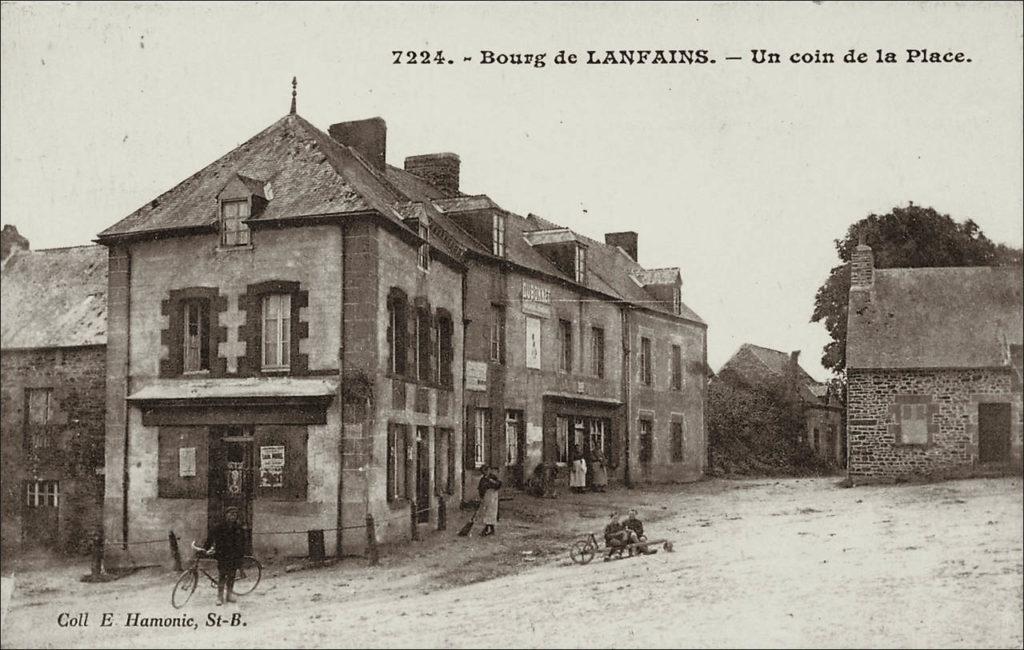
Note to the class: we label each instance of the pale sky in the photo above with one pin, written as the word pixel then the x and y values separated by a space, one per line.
pixel 740 174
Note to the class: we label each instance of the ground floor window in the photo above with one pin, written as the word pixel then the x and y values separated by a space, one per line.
pixel 646 441
pixel 481 424
pixel 513 426
pixel 596 430
pixel 42 494
pixel 561 440
pixel 677 442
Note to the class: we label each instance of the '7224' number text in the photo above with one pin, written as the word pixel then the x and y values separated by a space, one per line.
pixel 410 56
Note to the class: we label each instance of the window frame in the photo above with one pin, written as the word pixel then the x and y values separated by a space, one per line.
pixel 284 334
pixel 37 435
pixel 565 351
pixel 203 314
pixel 676 367
pixel 597 352
pixel 580 264
pixel 423 253
pixel 646 362
pixel 498 334
pixel 243 228
pixel 513 425
pixel 38 493
pixel 498 233
pixel 919 417
pixel 398 334
pixel 397 463
pixel 678 440
pixel 422 327
pixel 563 436
pixel 645 440
pixel 481 428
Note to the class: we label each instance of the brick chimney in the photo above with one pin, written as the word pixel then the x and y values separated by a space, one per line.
pixel 11 241
pixel 369 137
pixel 627 241
pixel 439 169
pixel 862 268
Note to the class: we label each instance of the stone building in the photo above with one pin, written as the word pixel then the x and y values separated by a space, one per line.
pixel 933 370
pixel 52 360
pixel 283 338
pixel 753 365
pixel 571 345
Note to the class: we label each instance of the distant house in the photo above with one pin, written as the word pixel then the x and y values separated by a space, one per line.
pixel 933 369
pixel 753 365
pixel 53 361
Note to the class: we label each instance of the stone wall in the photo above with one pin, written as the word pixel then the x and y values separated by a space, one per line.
pixel 951 398
pixel 73 455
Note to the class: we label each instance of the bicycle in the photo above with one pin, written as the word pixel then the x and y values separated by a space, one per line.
pixel 247 577
pixel 583 550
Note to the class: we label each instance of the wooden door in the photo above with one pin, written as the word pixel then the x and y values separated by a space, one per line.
pixel 993 433
pixel 231 477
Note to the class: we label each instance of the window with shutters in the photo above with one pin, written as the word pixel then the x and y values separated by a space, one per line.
pixel 913 424
pixel 445 351
pixel 396 462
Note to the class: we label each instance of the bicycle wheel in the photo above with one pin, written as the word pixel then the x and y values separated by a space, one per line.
pixel 184 588
pixel 248 575
pixel 581 552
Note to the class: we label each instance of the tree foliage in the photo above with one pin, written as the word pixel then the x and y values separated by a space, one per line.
pixel 911 236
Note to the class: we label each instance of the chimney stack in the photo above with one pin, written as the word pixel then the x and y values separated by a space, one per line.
pixel 862 268
pixel 439 169
pixel 369 137
pixel 627 241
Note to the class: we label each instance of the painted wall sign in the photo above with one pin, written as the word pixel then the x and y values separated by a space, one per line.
pixel 272 466
pixel 533 343
pixel 186 461
pixel 536 300
pixel 476 375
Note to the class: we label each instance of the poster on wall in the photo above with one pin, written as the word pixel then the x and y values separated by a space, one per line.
pixel 186 461
pixel 476 375
pixel 272 466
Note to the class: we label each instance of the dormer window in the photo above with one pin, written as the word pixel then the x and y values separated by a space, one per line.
pixel 233 231
pixel 498 235
pixel 580 266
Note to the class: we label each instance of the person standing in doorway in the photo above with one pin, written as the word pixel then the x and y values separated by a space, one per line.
pixel 226 542
pixel 488 489
pixel 578 474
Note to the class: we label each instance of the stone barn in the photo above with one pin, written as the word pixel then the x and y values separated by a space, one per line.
pixel 52 358
pixel 933 370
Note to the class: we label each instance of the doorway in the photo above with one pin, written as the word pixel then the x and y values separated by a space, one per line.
pixel 230 480
pixel 423 474
pixel 993 433
pixel 515 447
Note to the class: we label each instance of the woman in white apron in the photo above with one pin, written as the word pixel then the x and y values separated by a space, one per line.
pixel 578 475
pixel 488 489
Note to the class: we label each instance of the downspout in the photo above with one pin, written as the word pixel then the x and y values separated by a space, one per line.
pixel 461 457
pixel 626 396
pixel 127 388
pixel 341 402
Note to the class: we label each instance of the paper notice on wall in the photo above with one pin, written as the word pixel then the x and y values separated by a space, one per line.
pixel 476 375
pixel 186 461
pixel 272 466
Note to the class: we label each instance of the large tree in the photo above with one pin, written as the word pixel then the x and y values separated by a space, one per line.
pixel 911 236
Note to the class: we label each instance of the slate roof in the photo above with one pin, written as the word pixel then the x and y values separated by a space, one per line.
pixel 309 172
pixel 953 317
pixel 754 364
pixel 53 298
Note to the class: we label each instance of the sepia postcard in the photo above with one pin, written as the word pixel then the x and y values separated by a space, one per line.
pixel 512 324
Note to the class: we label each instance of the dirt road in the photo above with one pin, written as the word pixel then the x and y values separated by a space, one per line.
pixel 792 562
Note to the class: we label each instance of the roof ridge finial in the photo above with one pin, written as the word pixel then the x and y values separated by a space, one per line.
pixel 295 83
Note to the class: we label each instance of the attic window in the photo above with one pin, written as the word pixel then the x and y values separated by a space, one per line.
pixel 498 235
pixel 580 266
pixel 233 231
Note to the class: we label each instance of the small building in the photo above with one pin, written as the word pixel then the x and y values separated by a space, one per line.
pixel 53 363
pixel 572 347
pixel 754 365
pixel 933 370
pixel 285 340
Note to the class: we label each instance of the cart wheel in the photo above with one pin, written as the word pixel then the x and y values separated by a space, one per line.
pixel 581 552
pixel 668 546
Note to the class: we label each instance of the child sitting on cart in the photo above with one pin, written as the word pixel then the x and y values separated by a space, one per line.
pixel 617 537
pixel 633 524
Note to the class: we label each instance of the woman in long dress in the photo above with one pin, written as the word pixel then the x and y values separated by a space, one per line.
pixel 488 489
pixel 578 475
pixel 598 472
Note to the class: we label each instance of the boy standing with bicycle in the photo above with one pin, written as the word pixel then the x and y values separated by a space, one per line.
pixel 226 543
